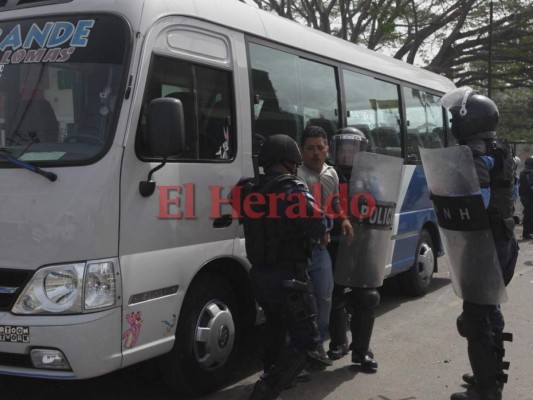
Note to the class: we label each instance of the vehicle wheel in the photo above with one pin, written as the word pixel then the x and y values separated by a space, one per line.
pixel 206 339
pixel 417 280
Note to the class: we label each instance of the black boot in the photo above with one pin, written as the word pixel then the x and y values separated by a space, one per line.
pixel 470 395
pixel 501 365
pixel 262 391
pixel 469 379
pixel 279 377
pixel 484 363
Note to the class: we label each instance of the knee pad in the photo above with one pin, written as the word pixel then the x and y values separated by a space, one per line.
pixel 366 298
pixel 467 329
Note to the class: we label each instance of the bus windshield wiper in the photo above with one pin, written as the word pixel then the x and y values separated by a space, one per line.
pixel 30 167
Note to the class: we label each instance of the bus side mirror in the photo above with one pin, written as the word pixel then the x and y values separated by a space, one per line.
pixel 166 135
pixel 166 129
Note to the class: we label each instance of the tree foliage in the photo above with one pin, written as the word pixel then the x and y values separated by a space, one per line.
pixel 450 37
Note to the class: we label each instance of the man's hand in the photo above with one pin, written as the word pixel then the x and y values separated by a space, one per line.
pixel 347 229
pixel 325 239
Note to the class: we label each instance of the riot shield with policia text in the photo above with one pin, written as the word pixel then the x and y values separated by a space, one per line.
pixel 464 225
pixel 373 192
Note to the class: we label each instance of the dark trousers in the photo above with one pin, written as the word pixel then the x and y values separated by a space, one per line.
pixel 483 325
pixel 527 221
pixel 285 336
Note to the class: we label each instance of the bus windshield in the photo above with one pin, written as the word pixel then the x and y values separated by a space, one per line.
pixel 60 80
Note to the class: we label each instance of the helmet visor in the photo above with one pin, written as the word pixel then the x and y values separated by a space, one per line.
pixel 344 147
pixel 457 99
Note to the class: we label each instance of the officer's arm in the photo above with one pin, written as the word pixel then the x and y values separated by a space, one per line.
pixel 312 220
pixel 483 166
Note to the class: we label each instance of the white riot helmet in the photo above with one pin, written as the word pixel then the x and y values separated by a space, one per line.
pixel 345 144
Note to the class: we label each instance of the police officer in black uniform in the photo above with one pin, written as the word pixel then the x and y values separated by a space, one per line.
pixel 278 244
pixel 362 302
pixel 526 197
pixel 474 120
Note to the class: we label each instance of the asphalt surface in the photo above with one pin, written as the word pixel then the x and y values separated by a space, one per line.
pixel 421 356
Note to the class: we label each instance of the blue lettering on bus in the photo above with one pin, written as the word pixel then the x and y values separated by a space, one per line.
pixel 52 34
pixel 12 39
pixel 35 34
pixel 81 34
pixel 61 33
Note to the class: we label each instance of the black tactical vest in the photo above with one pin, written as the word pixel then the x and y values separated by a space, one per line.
pixel 265 240
pixel 502 178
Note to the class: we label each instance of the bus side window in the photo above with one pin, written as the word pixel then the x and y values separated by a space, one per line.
pixel 373 106
pixel 207 98
pixel 425 124
pixel 290 92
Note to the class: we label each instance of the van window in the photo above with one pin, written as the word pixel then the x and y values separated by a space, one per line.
pixel 207 99
pixel 290 92
pixel 373 106
pixel 425 124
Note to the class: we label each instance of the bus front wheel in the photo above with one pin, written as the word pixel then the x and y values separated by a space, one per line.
pixel 206 339
pixel 416 281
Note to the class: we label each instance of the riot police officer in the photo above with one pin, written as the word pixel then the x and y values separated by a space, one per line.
pixel 473 123
pixel 362 302
pixel 526 197
pixel 278 243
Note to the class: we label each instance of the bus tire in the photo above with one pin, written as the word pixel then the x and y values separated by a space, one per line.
pixel 206 339
pixel 416 281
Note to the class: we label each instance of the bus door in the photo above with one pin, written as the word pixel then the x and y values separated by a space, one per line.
pixel 186 223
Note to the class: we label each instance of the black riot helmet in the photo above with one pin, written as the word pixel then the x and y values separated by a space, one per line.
pixel 345 144
pixel 472 113
pixel 279 148
pixel 529 162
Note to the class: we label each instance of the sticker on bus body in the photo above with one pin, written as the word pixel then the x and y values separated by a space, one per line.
pixel 14 334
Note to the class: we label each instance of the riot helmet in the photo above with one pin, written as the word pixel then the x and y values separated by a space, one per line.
pixel 472 113
pixel 345 144
pixel 279 148
pixel 529 162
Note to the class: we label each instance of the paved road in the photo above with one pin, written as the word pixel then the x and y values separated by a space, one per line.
pixel 420 355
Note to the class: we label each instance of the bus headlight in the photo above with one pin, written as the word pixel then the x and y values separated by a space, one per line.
pixel 100 290
pixel 68 289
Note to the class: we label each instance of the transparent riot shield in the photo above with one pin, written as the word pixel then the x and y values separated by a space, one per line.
pixel 373 192
pixel 464 225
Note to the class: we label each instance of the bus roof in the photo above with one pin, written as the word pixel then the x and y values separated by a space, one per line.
pixel 252 21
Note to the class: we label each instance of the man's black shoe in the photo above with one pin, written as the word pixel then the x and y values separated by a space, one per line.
pixel 337 351
pixel 318 360
pixel 367 363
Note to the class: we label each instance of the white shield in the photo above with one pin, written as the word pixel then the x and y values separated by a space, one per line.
pixel 464 225
pixel 373 192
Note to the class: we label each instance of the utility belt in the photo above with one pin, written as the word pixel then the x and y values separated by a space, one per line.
pixel 301 302
pixel 298 267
